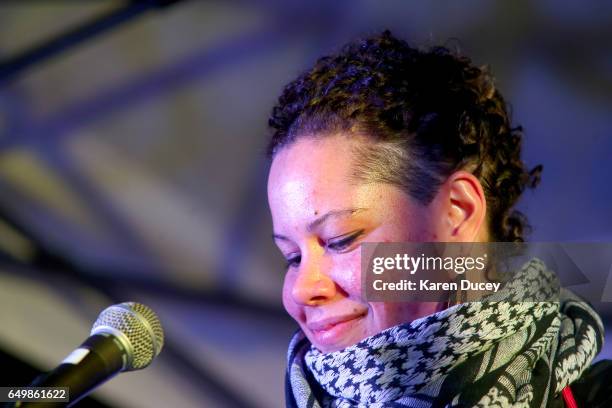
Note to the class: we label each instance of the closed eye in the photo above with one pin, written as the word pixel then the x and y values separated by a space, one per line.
pixel 293 261
pixel 343 242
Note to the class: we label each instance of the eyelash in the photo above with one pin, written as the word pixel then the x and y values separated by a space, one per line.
pixel 294 261
pixel 344 242
pixel 339 245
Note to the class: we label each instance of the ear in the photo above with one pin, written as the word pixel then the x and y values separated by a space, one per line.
pixel 462 205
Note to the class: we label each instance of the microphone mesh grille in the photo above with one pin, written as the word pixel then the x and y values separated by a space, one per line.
pixel 140 325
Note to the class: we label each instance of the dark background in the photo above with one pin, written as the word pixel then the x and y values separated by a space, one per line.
pixel 132 165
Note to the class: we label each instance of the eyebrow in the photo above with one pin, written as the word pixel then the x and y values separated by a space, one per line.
pixel 322 219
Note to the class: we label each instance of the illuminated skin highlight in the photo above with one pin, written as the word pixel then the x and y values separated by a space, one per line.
pixel 320 217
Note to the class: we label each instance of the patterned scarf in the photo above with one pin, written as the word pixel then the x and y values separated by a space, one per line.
pixel 499 353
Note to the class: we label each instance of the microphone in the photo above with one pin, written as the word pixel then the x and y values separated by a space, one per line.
pixel 125 337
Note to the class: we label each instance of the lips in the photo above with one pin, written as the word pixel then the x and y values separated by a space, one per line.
pixel 328 323
pixel 335 331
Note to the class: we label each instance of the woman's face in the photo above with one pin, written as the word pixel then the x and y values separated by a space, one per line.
pixel 321 215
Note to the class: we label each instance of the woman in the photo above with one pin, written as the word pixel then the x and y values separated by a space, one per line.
pixel 386 143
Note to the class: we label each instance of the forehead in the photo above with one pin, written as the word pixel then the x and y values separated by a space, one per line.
pixel 313 166
pixel 311 177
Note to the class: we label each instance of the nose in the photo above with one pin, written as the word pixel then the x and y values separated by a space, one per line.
pixel 313 286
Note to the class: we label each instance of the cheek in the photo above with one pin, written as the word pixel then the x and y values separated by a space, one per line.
pixel 347 274
pixel 393 313
pixel 290 306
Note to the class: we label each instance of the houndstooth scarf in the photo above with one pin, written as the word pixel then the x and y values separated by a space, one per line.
pixel 501 353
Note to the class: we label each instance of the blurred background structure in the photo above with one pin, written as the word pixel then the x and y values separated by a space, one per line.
pixel 132 165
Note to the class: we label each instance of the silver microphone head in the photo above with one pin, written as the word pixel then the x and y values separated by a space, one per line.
pixel 137 328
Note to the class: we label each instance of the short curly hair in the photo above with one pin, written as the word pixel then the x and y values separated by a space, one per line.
pixel 431 113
